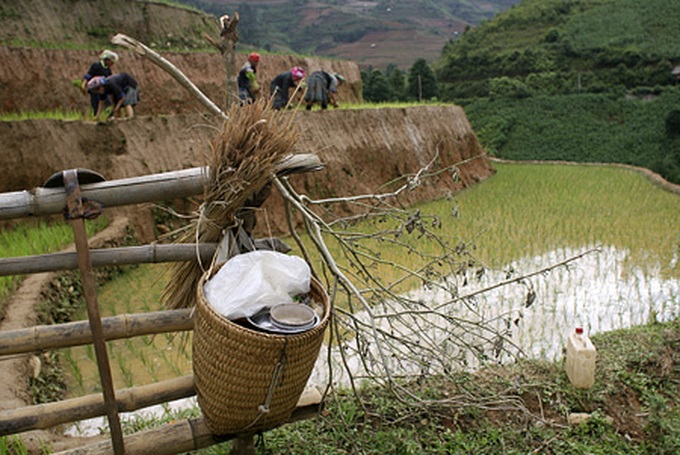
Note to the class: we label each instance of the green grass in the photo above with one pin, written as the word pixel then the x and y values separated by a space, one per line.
pixel 56 114
pixel 633 409
pixel 40 237
pixel 582 128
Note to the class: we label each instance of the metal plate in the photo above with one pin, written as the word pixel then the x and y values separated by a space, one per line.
pixel 85 176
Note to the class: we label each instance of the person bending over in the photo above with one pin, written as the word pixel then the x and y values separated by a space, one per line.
pixel 322 88
pixel 248 87
pixel 281 85
pixel 121 87
pixel 101 68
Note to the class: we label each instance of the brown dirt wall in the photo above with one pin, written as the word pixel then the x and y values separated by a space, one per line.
pixel 362 150
pixel 34 79
pixel 81 22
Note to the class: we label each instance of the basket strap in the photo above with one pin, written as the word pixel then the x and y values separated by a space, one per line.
pixel 280 370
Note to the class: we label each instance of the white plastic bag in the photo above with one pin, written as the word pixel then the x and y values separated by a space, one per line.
pixel 249 282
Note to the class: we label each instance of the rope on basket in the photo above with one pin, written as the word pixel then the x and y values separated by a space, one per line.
pixel 280 369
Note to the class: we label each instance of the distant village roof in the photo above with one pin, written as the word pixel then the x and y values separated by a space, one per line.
pixel 676 71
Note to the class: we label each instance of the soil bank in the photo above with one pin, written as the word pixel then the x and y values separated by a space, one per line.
pixel 362 150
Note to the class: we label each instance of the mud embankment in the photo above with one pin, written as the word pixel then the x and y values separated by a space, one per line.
pixel 362 150
pixel 43 79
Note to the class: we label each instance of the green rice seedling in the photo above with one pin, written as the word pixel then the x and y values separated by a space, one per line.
pixel 37 237
pixel 56 114
pixel 89 352
pixel 73 370
pixel 125 371
pixel 531 208
pixel 149 364
pixel 170 363
pixel 13 445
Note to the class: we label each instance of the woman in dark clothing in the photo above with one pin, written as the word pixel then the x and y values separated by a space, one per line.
pixel 248 87
pixel 321 88
pixel 282 83
pixel 121 87
pixel 101 68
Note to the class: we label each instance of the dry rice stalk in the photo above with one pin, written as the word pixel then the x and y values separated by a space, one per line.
pixel 243 161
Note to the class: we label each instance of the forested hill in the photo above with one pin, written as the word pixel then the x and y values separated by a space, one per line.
pixel 566 46
pixel 573 80
pixel 371 33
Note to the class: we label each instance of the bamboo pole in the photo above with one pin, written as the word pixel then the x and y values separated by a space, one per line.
pixel 145 254
pixel 112 193
pixel 188 435
pixel 78 333
pixel 133 190
pixel 43 416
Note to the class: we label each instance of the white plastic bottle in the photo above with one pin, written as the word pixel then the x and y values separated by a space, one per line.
pixel 580 364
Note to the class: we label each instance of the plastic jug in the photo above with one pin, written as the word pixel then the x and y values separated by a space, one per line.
pixel 581 355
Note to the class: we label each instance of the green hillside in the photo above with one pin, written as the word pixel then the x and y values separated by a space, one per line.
pixel 577 80
pixel 566 46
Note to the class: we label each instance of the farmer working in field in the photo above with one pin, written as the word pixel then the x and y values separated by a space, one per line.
pixel 121 87
pixel 321 88
pixel 282 83
pixel 101 68
pixel 248 87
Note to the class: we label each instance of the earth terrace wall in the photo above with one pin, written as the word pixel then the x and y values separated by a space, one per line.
pixel 42 79
pixel 362 149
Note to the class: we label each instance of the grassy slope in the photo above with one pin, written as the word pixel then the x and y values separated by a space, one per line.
pixel 547 78
pixel 634 409
pixel 589 127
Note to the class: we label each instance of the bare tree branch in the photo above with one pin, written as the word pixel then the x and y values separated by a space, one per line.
pixel 141 49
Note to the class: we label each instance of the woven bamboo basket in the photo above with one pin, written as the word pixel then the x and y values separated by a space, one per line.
pixel 249 381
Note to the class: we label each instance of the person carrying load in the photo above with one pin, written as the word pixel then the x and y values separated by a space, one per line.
pixel 248 87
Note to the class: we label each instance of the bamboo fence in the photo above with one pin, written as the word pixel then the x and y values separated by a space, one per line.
pixel 177 437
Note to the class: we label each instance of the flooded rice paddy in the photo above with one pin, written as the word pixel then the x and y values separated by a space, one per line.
pixel 602 291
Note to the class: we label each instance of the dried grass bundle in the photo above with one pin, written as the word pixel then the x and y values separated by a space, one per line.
pixel 244 159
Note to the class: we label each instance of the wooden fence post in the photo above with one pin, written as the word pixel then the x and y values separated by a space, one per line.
pixel 76 214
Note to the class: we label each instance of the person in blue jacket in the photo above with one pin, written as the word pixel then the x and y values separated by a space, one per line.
pixel 121 87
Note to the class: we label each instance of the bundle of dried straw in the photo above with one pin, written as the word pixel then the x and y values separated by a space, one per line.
pixel 244 157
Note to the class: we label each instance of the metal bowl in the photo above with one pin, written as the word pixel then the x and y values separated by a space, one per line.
pixel 292 315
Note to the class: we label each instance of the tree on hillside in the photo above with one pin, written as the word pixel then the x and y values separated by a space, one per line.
pixel 422 85
pixel 376 87
pixel 397 80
